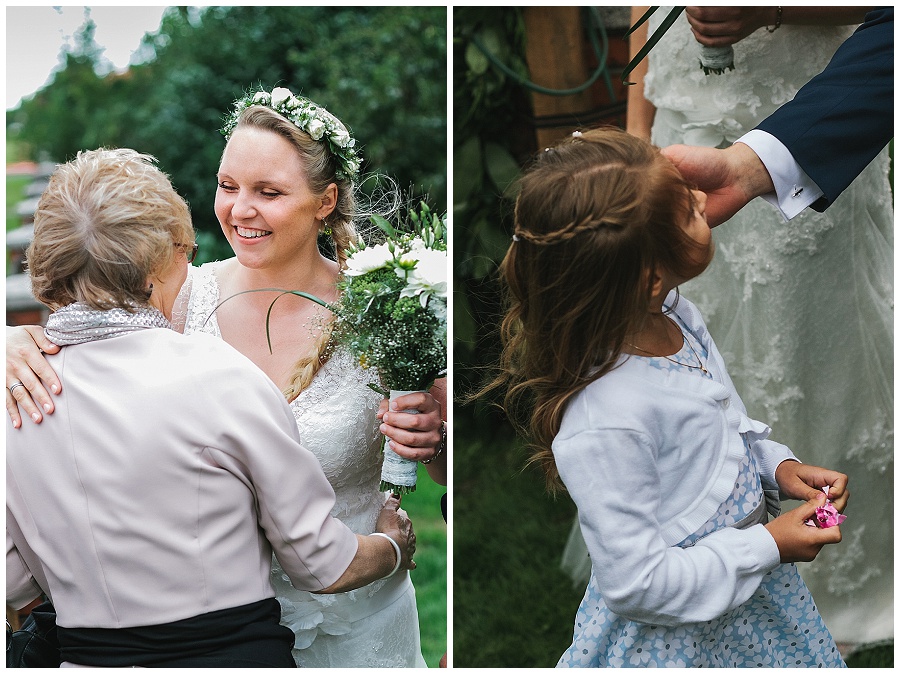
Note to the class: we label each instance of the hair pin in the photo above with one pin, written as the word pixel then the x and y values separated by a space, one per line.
pixel 576 134
pixel 515 237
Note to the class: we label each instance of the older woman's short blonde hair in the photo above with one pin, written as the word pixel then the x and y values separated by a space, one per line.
pixel 107 221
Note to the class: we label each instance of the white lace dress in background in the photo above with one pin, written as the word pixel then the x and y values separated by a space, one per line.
pixel 373 626
pixel 802 311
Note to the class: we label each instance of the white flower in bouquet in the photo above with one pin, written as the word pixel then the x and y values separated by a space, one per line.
pixel 369 259
pixel 429 276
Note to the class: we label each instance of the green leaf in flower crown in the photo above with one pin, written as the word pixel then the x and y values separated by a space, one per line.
pixel 656 37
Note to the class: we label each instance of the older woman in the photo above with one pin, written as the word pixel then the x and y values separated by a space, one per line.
pixel 148 507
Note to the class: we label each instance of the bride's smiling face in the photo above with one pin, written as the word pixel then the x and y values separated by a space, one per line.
pixel 263 202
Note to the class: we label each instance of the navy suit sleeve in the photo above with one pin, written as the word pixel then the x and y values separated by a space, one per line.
pixel 842 118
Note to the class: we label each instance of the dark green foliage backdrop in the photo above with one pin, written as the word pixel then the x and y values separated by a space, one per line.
pixel 381 70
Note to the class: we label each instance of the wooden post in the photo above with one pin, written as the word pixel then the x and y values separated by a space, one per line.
pixel 559 57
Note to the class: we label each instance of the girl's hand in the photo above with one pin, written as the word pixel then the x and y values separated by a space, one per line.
pixel 796 541
pixel 26 364
pixel 416 437
pixel 804 482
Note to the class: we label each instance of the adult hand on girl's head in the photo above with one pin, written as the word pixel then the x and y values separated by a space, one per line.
pixel 413 436
pixel 804 482
pixel 26 364
pixel 731 177
pixel 796 541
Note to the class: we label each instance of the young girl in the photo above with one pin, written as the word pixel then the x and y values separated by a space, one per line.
pixel 628 403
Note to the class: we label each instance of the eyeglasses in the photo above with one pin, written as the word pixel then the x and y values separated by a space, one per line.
pixel 190 250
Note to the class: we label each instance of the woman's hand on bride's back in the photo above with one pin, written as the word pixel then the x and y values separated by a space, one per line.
pixel 395 523
pixel 25 363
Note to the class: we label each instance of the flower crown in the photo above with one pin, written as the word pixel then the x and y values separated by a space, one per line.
pixel 306 116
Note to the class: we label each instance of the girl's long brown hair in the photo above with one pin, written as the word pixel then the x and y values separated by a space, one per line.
pixel 594 216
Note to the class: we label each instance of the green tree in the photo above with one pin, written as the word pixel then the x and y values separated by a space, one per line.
pixel 53 122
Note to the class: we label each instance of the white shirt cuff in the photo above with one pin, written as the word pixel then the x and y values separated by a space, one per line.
pixel 794 190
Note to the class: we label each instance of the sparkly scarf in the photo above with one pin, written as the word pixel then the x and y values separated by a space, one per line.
pixel 78 323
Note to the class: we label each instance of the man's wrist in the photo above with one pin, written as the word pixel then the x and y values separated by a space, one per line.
pixel 790 189
pixel 751 172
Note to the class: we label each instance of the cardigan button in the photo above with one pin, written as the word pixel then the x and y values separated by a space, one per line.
pixel 726 403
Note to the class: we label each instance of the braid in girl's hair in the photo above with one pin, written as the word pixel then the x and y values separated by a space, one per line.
pixel 594 214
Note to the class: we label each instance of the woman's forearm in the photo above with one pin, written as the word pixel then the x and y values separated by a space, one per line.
pixel 374 560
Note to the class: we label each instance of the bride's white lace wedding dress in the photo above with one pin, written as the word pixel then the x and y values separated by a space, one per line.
pixel 376 625
pixel 802 311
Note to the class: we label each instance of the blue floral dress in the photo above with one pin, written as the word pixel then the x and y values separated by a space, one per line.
pixel 779 626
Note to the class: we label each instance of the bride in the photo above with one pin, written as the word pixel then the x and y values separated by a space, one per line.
pixel 774 296
pixel 285 180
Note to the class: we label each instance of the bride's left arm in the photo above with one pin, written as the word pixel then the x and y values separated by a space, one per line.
pixel 420 437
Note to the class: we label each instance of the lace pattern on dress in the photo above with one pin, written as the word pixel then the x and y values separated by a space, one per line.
pixel 802 311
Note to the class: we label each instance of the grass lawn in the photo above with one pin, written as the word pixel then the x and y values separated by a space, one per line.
pixel 430 575
pixel 512 605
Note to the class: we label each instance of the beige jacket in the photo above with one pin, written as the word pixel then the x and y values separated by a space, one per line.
pixel 158 489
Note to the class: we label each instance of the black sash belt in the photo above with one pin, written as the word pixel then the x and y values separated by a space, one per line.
pixel 238 637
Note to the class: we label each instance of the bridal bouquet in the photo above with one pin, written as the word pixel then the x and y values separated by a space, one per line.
pixel 392 316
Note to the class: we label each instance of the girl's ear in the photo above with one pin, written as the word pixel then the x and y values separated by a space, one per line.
pixel 654 283
pixel 329 201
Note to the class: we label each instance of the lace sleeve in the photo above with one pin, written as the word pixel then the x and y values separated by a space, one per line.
pixel 182 301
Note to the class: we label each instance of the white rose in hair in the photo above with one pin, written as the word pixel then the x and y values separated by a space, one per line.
pixel 339 133
pixel 280 95
pixel 341 136
pixel 315 128
pixel 259 97
pixel 368 259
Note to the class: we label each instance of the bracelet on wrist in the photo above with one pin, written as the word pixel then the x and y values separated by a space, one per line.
pixel 441 445
pixel 396 550
pixel 778 12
